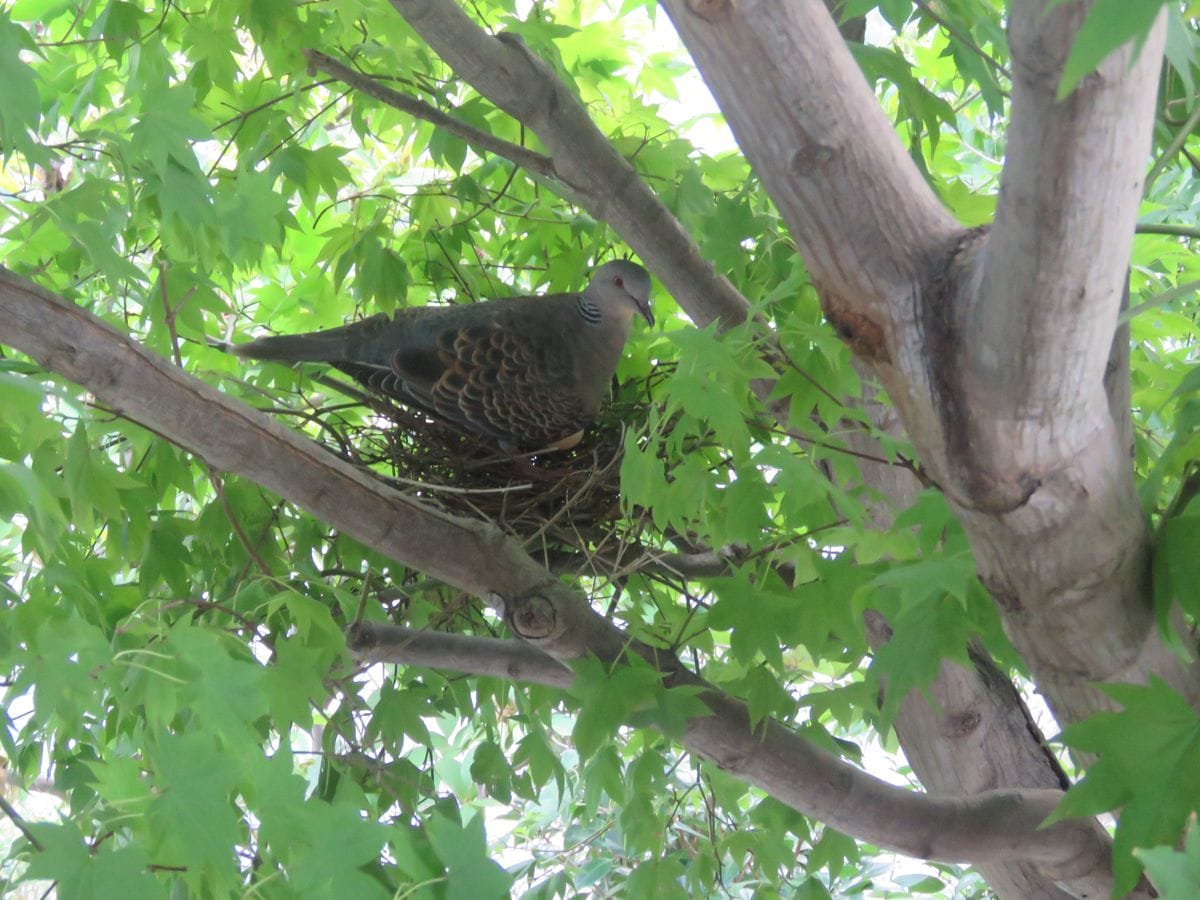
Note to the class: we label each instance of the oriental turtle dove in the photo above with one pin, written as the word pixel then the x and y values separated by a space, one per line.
pixel 528 372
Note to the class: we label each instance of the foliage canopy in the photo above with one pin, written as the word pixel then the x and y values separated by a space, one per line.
pixel 173 640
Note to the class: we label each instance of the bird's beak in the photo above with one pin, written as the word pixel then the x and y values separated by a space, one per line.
pixel 644 308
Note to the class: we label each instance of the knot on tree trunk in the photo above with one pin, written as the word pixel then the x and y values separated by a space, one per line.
pixel 532 616
pixel 710 10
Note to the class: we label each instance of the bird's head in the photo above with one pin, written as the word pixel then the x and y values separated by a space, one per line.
pixel 622 287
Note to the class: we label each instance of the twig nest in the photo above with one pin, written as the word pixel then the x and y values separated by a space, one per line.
pixel 561 498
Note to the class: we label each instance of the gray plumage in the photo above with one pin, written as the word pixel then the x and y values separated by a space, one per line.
pixel 529 372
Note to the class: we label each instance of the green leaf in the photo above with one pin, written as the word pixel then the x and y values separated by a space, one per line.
pixel 447 148
pixel 642 826
pixel 398 713
pixel 64 660
pixel 224 692
pixel 121 782
pixel 20 108
pixel 657 878
pixel 193 820
pixel 812 889
pixel 463 848
pixel 490 768
pixel 21 491
pixel 296 830
pixel 1148 761
pixel 1175 874
pixel 535 751
pixel 761 616
pixel 608 698
pixel 765 696
pixel 1177 565
pixel 1180 49
pixel 84 873
pixel 163 133
pixel 923 634
pixel 920 884
pixel 295 681
pixel 122 24
pixel 1109 24
pixel 914 583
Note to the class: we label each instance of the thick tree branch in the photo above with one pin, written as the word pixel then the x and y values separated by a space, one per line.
pixel 232 437
pixel 606 185
pixel 1034 462
pixel 872 233
pixel 969 730
pixel 1036 456
pixel 862 216
pixel 975 736
pixel 515 660
pixel 477 558
pixel 1037 332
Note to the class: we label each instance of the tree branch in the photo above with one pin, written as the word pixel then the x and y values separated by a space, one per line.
pixel 373 642
pixel 377 643
pixel 15 817
pixel 862 216
pixel 555 619
pixel 608 187
pixel 993 352
pixel 537 163
pixel 1188 231
pixel 231 437
pixel 1041 317
pixel 1035 456
pixel 968 730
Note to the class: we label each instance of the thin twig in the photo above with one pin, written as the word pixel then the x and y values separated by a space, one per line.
pixel 214 478
pixel 448 489
pixel 965 39
pixel 1161 299
pixel 475 137
pixel 1177 143
pixel 22 825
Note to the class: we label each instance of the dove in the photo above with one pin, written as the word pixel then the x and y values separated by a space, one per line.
pixel 527 372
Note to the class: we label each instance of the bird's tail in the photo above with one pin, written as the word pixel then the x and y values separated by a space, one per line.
pixel 331 345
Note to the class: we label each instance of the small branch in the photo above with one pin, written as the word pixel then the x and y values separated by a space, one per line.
pixel 1188 231
pixel 963 38
pixel 1160 299
pixel 204 606
pixel 507 73
pixel 243 538
pixel 372 642
pixel 475 137
pixel 22 825
pixel 214 478
pixel 1177 144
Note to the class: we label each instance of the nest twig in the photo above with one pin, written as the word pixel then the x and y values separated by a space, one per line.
pixel 564 498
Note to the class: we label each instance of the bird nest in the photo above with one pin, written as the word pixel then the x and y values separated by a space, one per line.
pixel 561 498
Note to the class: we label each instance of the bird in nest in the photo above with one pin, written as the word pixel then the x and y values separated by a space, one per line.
pixel 529 373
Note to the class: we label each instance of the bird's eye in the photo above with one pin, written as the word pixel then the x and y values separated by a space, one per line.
pixel 619 282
